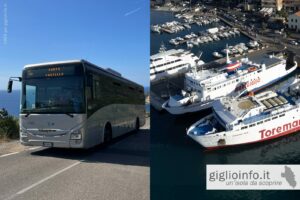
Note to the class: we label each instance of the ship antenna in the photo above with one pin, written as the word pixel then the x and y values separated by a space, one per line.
pixel 227 55
pixel 162 48
pixel 194 70
pixel 200 54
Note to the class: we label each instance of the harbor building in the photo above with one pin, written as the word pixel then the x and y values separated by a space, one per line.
pixel 291 5
pixel 294 21
pixel 275 4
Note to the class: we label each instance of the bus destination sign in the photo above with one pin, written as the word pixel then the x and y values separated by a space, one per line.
pixel 53 71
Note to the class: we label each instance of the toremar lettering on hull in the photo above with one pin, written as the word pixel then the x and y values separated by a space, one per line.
pixel 280 129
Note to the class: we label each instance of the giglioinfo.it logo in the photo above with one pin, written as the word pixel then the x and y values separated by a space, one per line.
pixel 252 177
pixel 289 175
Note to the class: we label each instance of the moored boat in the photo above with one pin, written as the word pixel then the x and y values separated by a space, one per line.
pixel 170 62
pixel 217 55
pixel 234 79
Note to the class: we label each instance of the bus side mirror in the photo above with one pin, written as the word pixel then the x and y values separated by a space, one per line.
pixel 10 83
pixel 9 86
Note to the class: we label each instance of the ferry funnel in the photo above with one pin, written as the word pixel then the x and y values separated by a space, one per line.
pixel 227 55
pixel 290 61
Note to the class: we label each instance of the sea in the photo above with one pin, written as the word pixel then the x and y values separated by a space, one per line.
pixel 178 164
pixel 10 101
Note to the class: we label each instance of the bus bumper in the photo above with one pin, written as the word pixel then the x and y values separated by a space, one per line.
pixel 50 142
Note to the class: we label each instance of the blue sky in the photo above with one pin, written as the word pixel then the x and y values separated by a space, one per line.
pixel 111 34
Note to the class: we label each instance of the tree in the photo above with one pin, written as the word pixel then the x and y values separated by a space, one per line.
pixel 3 113
pixel 282 13
pixel 9 127
pixel 264 26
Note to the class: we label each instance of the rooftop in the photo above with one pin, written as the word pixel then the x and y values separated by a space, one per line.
pixel 297 14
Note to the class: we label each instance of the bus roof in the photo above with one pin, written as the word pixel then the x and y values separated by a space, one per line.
pixel 52 63
pixel 109 71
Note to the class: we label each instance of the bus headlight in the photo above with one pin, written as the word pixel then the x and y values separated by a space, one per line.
pixel 76 135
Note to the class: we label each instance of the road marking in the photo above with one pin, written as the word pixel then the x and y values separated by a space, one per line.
pixel 13 153
pixel 4 155
pixel 43 180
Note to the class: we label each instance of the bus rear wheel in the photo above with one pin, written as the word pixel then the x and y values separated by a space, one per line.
pixel 107 134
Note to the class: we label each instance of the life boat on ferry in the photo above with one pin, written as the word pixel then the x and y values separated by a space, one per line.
pixel 251 69
pixel 233 66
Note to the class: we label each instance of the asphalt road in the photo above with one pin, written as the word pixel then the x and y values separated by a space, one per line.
pixel 118 171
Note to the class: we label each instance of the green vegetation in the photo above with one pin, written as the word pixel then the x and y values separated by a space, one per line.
pixel 282 13
pixel 9 126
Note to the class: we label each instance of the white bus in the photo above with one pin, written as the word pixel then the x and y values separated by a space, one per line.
pixel 75 104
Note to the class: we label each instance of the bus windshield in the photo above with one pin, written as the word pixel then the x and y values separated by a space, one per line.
pixel 63 94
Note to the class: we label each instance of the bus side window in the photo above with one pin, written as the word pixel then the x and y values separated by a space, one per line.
pixel 88 93
pixel 89 90
pixel 89 81
pixel 97 90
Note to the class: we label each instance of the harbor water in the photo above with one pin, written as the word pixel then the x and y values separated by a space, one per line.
pixel 159 17
pixel 178 163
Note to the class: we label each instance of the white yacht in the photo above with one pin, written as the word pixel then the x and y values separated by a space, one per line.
pixel 189 44
pixel 155 28
pixel 252 44
pixel 170 62
pixel 251 119
pixel 235 79
pixel 186 25
pixel 236 32
pixel 174 42
pixel 217 54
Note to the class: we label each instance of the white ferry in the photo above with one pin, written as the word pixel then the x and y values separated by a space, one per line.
pixel 237 78
pixel 171 62
pixel 250 119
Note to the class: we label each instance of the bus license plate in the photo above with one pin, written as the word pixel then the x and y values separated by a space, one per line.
pixel 47 144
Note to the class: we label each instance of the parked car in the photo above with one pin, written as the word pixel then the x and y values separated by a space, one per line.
pixel 278 32
pixel 293 42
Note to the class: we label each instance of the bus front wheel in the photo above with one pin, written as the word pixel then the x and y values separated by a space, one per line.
pixel 107 133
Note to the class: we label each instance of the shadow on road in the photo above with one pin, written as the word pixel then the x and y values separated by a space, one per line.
pixel 129 149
